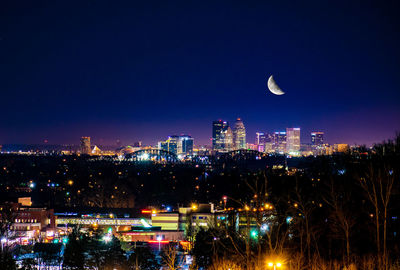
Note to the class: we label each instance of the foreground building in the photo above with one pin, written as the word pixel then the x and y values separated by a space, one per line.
pixel 28 224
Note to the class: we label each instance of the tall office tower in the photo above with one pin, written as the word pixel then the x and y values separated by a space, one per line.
pixel 279 141
pixel 163 145
pixel 260 141
pixel 269 143
pixel 292 140
pixel 217 128
pixel 317 138
pixel 227 140
pixel 173 144
pixel 170 145
pixel 85 145
pixel 239 135
pixel 185 145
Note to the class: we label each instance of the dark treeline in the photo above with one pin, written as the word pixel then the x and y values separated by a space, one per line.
pixel 75 181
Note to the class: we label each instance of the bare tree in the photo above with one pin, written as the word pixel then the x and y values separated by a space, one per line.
pixel 304 209
pixel 378 185
pixel 343 220
pixel 171 259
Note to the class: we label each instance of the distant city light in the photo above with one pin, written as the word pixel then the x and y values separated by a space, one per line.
pixel 144 156
pixel 107 238
pixel 289 219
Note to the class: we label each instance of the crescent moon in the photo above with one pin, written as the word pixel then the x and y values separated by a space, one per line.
pixel 273 87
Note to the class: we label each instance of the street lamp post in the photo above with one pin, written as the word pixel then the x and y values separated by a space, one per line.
pixel 159 238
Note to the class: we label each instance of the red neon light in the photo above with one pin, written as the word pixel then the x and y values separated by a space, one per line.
pixel 146 211
pixel 156 242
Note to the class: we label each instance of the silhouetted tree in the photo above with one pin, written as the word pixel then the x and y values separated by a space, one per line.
pixel 378 185
pixel 142 258
pixel 6 259
pixel 114 255
pixel 342 218
pixel 28 264
pixel 74 257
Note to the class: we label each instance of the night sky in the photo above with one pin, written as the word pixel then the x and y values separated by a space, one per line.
pixel 143 70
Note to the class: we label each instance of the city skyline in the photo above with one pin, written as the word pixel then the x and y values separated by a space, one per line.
pixel 155 139
pixel 136 72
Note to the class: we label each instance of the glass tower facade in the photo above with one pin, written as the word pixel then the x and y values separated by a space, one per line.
pixel 292 140
pixel 279 141
pixel 260 141
pixel 219 127
pixel 239 135
pixel 185 145
pixel 317 138
pixel 227 140
pixel 179 145
pixel 170 145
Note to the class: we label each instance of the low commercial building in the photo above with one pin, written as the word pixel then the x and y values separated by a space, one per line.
pixel 33 224
pixel 151 235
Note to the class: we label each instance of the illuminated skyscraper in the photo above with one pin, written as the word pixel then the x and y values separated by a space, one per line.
pixel 170 145
pixel 217 129
pixel 85 145
pixel 260 141
pixel 239 135
pixel 178 145
pixel 185 145
pixel 292 140
pixel 227 140
pixel 279 141
pixel 317 138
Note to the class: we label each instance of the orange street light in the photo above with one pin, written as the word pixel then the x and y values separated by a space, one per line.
pixel 274 265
